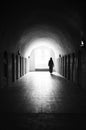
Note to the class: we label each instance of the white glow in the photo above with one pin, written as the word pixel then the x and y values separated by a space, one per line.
pixel 43 91
pixel 47 42
pixel 42 56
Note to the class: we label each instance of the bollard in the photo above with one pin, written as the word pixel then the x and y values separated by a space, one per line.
pixel 65 66
pixel 28 68
pixel 13 67
pixel 20 67
pixel 62 64
pixel 69 67
pixel 25 65
pixel 16 66
pixel 10 73
pixel 73 67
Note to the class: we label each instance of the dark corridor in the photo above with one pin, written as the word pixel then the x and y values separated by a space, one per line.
pixel 32 98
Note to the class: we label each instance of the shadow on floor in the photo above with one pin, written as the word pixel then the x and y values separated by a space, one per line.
pixel 42 121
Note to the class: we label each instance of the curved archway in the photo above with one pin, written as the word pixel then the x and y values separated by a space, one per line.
pixel 60 41
pixel 39 58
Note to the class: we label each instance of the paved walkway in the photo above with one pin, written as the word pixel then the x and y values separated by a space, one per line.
pixel 41 101
pixel 41 92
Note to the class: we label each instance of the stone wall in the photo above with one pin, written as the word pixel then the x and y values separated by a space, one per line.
pixel 73 67
pixel 12 68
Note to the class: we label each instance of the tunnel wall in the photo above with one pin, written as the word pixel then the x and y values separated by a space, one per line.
pixel 12 68
pixel 73 67
pixel 82 71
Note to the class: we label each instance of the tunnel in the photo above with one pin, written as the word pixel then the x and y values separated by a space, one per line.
pixel 29 37
pixel 58 32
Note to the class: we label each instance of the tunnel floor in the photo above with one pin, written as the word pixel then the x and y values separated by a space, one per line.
pixel 41 94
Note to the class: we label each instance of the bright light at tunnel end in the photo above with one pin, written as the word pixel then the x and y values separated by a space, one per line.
pixel 46 42
pixel 42 55
pixel 43 49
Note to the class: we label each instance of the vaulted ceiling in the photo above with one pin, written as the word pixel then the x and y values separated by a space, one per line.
pixel 64 20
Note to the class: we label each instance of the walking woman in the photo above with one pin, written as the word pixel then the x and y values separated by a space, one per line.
pixel 51 65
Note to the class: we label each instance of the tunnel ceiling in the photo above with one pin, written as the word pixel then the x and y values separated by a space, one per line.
pixel 63 21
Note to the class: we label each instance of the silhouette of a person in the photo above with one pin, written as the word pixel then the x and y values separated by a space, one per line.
pixel 51 65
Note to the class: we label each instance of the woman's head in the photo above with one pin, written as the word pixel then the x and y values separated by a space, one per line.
pixel 50 58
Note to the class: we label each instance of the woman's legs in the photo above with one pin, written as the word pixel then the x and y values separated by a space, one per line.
pixel 50 69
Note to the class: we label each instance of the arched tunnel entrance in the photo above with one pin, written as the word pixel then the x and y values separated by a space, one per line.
pixel 42 42
pixel 37 44
pixel 39 58
pixel 40 54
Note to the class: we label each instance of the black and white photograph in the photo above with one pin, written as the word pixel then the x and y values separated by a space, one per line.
pixel 43 65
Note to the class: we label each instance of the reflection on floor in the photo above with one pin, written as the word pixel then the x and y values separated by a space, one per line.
pixel 42 92
pixel 44 96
